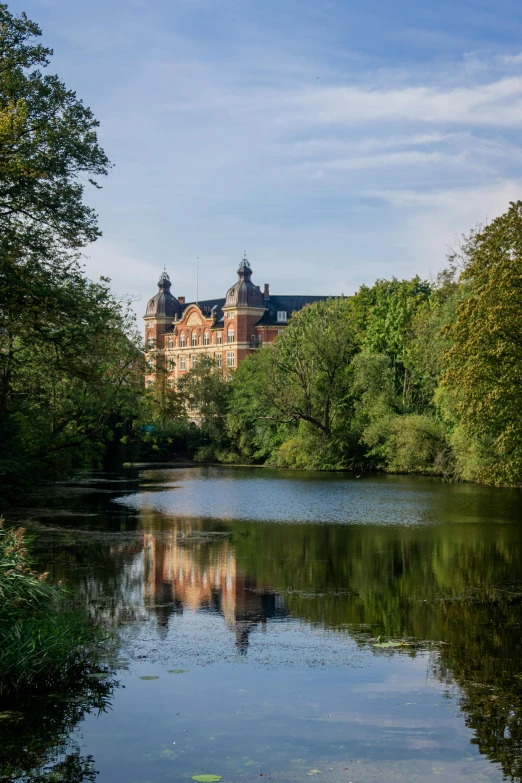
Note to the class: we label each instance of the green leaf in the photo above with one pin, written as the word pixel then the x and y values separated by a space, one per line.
pixel 207 778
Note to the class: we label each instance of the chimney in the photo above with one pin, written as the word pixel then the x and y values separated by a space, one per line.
pixel 266 292
pixel 181 299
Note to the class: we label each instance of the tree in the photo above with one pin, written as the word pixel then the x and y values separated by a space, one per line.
pixel 310 363
pixel 483 367
pixel 299 388
pixel 69 363
pixel 388 310
pixel 204 390
pixel 48 149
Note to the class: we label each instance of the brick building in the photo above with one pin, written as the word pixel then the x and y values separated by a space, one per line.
pixel 227 329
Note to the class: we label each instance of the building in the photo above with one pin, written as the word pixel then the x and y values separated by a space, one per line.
pixel 227 329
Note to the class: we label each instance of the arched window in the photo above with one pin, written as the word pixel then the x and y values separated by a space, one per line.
pixel 206 339
pixel 182 341
pixel 194 339
pixel 230 334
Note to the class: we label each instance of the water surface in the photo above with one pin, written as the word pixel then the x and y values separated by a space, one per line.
pixel 251 605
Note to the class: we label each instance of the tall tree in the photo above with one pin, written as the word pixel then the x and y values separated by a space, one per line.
pixel 483 367
pixel 48 149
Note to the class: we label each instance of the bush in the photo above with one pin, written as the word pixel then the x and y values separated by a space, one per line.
pixel 44 639
pixel 411 443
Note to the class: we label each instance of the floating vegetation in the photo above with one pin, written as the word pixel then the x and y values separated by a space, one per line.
pixel 207 778
pixel 177 671
pixel 149 677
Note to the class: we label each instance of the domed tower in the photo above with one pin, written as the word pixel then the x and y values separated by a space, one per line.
pixel 243 308
pixel 244 293
pixel 162 309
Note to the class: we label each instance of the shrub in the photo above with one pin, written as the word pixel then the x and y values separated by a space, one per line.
pixel 44 639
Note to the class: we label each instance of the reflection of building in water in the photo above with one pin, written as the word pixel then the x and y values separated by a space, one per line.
pixel 203 576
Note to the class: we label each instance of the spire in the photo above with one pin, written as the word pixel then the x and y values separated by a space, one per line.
pixel 244 292
pixel 163 304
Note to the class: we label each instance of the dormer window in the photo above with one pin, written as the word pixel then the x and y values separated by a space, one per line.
pixel 281 316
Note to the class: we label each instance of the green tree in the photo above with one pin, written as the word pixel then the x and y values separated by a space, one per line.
pixel 388 311
pixel 48 149
pixel 67 366
pixel 483 366
pixel 293 398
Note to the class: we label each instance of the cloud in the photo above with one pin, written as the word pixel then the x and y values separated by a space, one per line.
pixel 332 165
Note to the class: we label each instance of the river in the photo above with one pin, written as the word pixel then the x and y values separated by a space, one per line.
pixel 283 625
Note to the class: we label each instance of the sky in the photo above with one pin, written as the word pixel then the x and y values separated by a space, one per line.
pixel 335 143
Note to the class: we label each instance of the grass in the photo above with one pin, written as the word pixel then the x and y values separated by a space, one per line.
pixel 44 640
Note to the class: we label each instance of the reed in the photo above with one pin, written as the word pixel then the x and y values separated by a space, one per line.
pixel 44 640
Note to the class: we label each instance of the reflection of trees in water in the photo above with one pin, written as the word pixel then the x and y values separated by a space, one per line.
pixel 36 746
pixel 447 583
pixel 458 584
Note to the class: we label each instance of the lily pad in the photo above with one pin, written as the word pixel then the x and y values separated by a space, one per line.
pixel 314 772
pixel 389 644
pixel 149 677
pixel 177 671
pixel 207 778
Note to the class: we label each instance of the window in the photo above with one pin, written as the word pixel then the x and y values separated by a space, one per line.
pixel 171 342
pixel 252 341
pixel 170 383
pixel 205 339
pixel 182 341
pixel 230 335
pixel 280 331
pixel 194 339
pixel 230 359
pixel 181 362
pixel 219 338
pixel 230 315
pixel 281 316
pixel 194 360
pixel 170 363
pixel 259 338
pixel 219 359
pixel 150 342
pixel 150 365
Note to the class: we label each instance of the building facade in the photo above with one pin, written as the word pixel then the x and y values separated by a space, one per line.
pixel 228 329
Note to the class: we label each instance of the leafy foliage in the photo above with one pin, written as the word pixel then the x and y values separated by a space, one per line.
pixel 483 366
pixel 44 640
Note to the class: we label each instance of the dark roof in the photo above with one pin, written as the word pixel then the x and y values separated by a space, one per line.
pixel 288 304
pixel 206 307
pixel 274 304
pixel 163 304
pixel 244 293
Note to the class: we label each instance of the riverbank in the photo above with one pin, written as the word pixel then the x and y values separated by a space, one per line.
pixel 46 639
